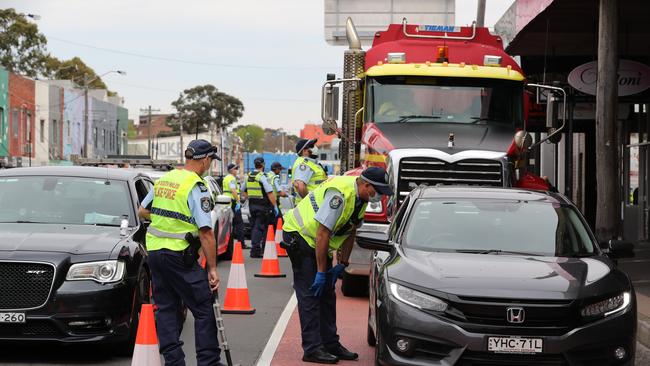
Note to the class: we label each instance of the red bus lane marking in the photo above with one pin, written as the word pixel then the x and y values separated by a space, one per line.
pixel 351 320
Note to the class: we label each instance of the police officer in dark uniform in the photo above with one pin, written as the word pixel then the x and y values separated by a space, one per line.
pixel 262 205
pixel 323 222
pixel 179 205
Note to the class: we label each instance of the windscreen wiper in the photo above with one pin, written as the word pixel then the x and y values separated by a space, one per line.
pixel 102 224
pixel 484 119
pixel 415 116
pixel 495 251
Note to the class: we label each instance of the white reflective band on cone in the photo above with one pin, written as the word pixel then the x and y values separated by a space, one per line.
pixel 269 251
pixel 237 278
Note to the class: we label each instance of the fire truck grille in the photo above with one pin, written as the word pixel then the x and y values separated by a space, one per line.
pixel 414 172
pixel 24 285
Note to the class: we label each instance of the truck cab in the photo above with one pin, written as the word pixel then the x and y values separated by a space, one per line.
pixel 433 105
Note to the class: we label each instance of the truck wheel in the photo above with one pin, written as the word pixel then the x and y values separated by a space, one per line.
pixel 354 285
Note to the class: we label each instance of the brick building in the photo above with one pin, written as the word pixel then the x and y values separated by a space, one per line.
pixel 312 130
pixel 21 116
pixel 158 125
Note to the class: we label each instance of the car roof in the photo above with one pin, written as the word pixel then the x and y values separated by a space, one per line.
pixel 493 193
pixel 73 171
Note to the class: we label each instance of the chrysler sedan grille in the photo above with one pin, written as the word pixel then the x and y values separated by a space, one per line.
pixel 417 171
pixel 25 285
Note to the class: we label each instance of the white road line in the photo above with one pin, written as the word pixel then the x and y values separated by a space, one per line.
pixel 274 340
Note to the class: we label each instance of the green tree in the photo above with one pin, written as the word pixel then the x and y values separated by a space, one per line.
pixel 252 136
pixel 73 69
pixel 22 48
pixel 205 106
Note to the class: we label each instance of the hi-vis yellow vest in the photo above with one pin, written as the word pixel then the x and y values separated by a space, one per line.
pixel 171 217
pixel 226 185
pixel 301 219
pixel 317 178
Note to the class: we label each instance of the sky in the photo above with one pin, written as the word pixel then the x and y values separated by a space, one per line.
pixel 272 55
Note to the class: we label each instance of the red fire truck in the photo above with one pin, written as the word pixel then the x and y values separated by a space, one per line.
pixel 433 105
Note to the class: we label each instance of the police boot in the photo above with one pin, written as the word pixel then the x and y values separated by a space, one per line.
pixel 320 356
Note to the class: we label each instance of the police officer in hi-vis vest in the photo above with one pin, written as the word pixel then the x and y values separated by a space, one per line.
pixel 262 205
pixel 307 172
pixel 323 222
pixel 179 208
pixel 230 187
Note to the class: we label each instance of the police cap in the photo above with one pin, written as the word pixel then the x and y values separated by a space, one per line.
pixel 305 144
pixel 232 166
pixel 276 165
pixel 199 149
pixel 259 161
pixel 378 178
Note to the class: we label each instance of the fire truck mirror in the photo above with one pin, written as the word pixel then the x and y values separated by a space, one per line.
pixel 330 108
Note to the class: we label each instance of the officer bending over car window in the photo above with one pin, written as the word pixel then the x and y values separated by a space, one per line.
pixel 326 221
pixel 179 208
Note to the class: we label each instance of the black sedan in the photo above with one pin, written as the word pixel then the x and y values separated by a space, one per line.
pixel 72 257
pixel 483 276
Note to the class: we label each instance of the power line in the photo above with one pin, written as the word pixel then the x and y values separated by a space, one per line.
pixel 190 62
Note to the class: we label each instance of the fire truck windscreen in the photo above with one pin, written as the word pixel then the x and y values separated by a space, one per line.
pixel 414 99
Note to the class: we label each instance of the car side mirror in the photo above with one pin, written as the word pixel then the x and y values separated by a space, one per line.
pixel 222 199
pixel 618 248
pixel 374 241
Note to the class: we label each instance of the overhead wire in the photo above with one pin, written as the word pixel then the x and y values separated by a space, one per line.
pixel 190 62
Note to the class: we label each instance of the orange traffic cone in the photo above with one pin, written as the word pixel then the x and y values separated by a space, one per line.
pixel 270 263
pixel 237 300
pixel 278 238
pixel 146 352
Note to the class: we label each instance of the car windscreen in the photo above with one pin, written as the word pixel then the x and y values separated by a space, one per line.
pixel 64 200
pixel 416 99
pixel 492 226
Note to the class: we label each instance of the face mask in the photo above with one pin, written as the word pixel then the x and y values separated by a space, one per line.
pixel 375 198
pixel 314 150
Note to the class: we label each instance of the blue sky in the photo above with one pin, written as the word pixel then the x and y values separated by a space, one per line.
pixel 270 54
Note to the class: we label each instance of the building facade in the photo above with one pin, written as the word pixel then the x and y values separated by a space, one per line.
pixel 21 118
pixel 4 114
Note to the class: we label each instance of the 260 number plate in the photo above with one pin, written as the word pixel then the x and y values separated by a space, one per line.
pixel 12 317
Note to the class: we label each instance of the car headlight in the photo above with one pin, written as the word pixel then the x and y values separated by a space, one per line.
pixel 102 271
pixel 416 299
pixel 607 307
pixel 374 207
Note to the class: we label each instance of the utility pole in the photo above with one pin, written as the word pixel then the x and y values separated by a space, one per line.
pixel 480 13
pixel 148 111
pixel 608 206
pixel 182 151
pixel 85 154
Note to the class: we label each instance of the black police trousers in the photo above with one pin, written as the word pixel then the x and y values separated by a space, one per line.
pixel 317 314
pixel 237 226
pixel 259 219
pixel 174 282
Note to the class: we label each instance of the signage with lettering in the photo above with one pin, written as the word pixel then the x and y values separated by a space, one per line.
pixel 633 77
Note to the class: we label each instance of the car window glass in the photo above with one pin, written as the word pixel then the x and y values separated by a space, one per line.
pixel 142 189
pixel 64 200
pixel 535 227
pixel 399 218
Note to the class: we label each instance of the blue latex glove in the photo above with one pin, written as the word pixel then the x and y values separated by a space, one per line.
pixel 238 207
pixel 335 272
pixel 319 284
pixel 276 212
